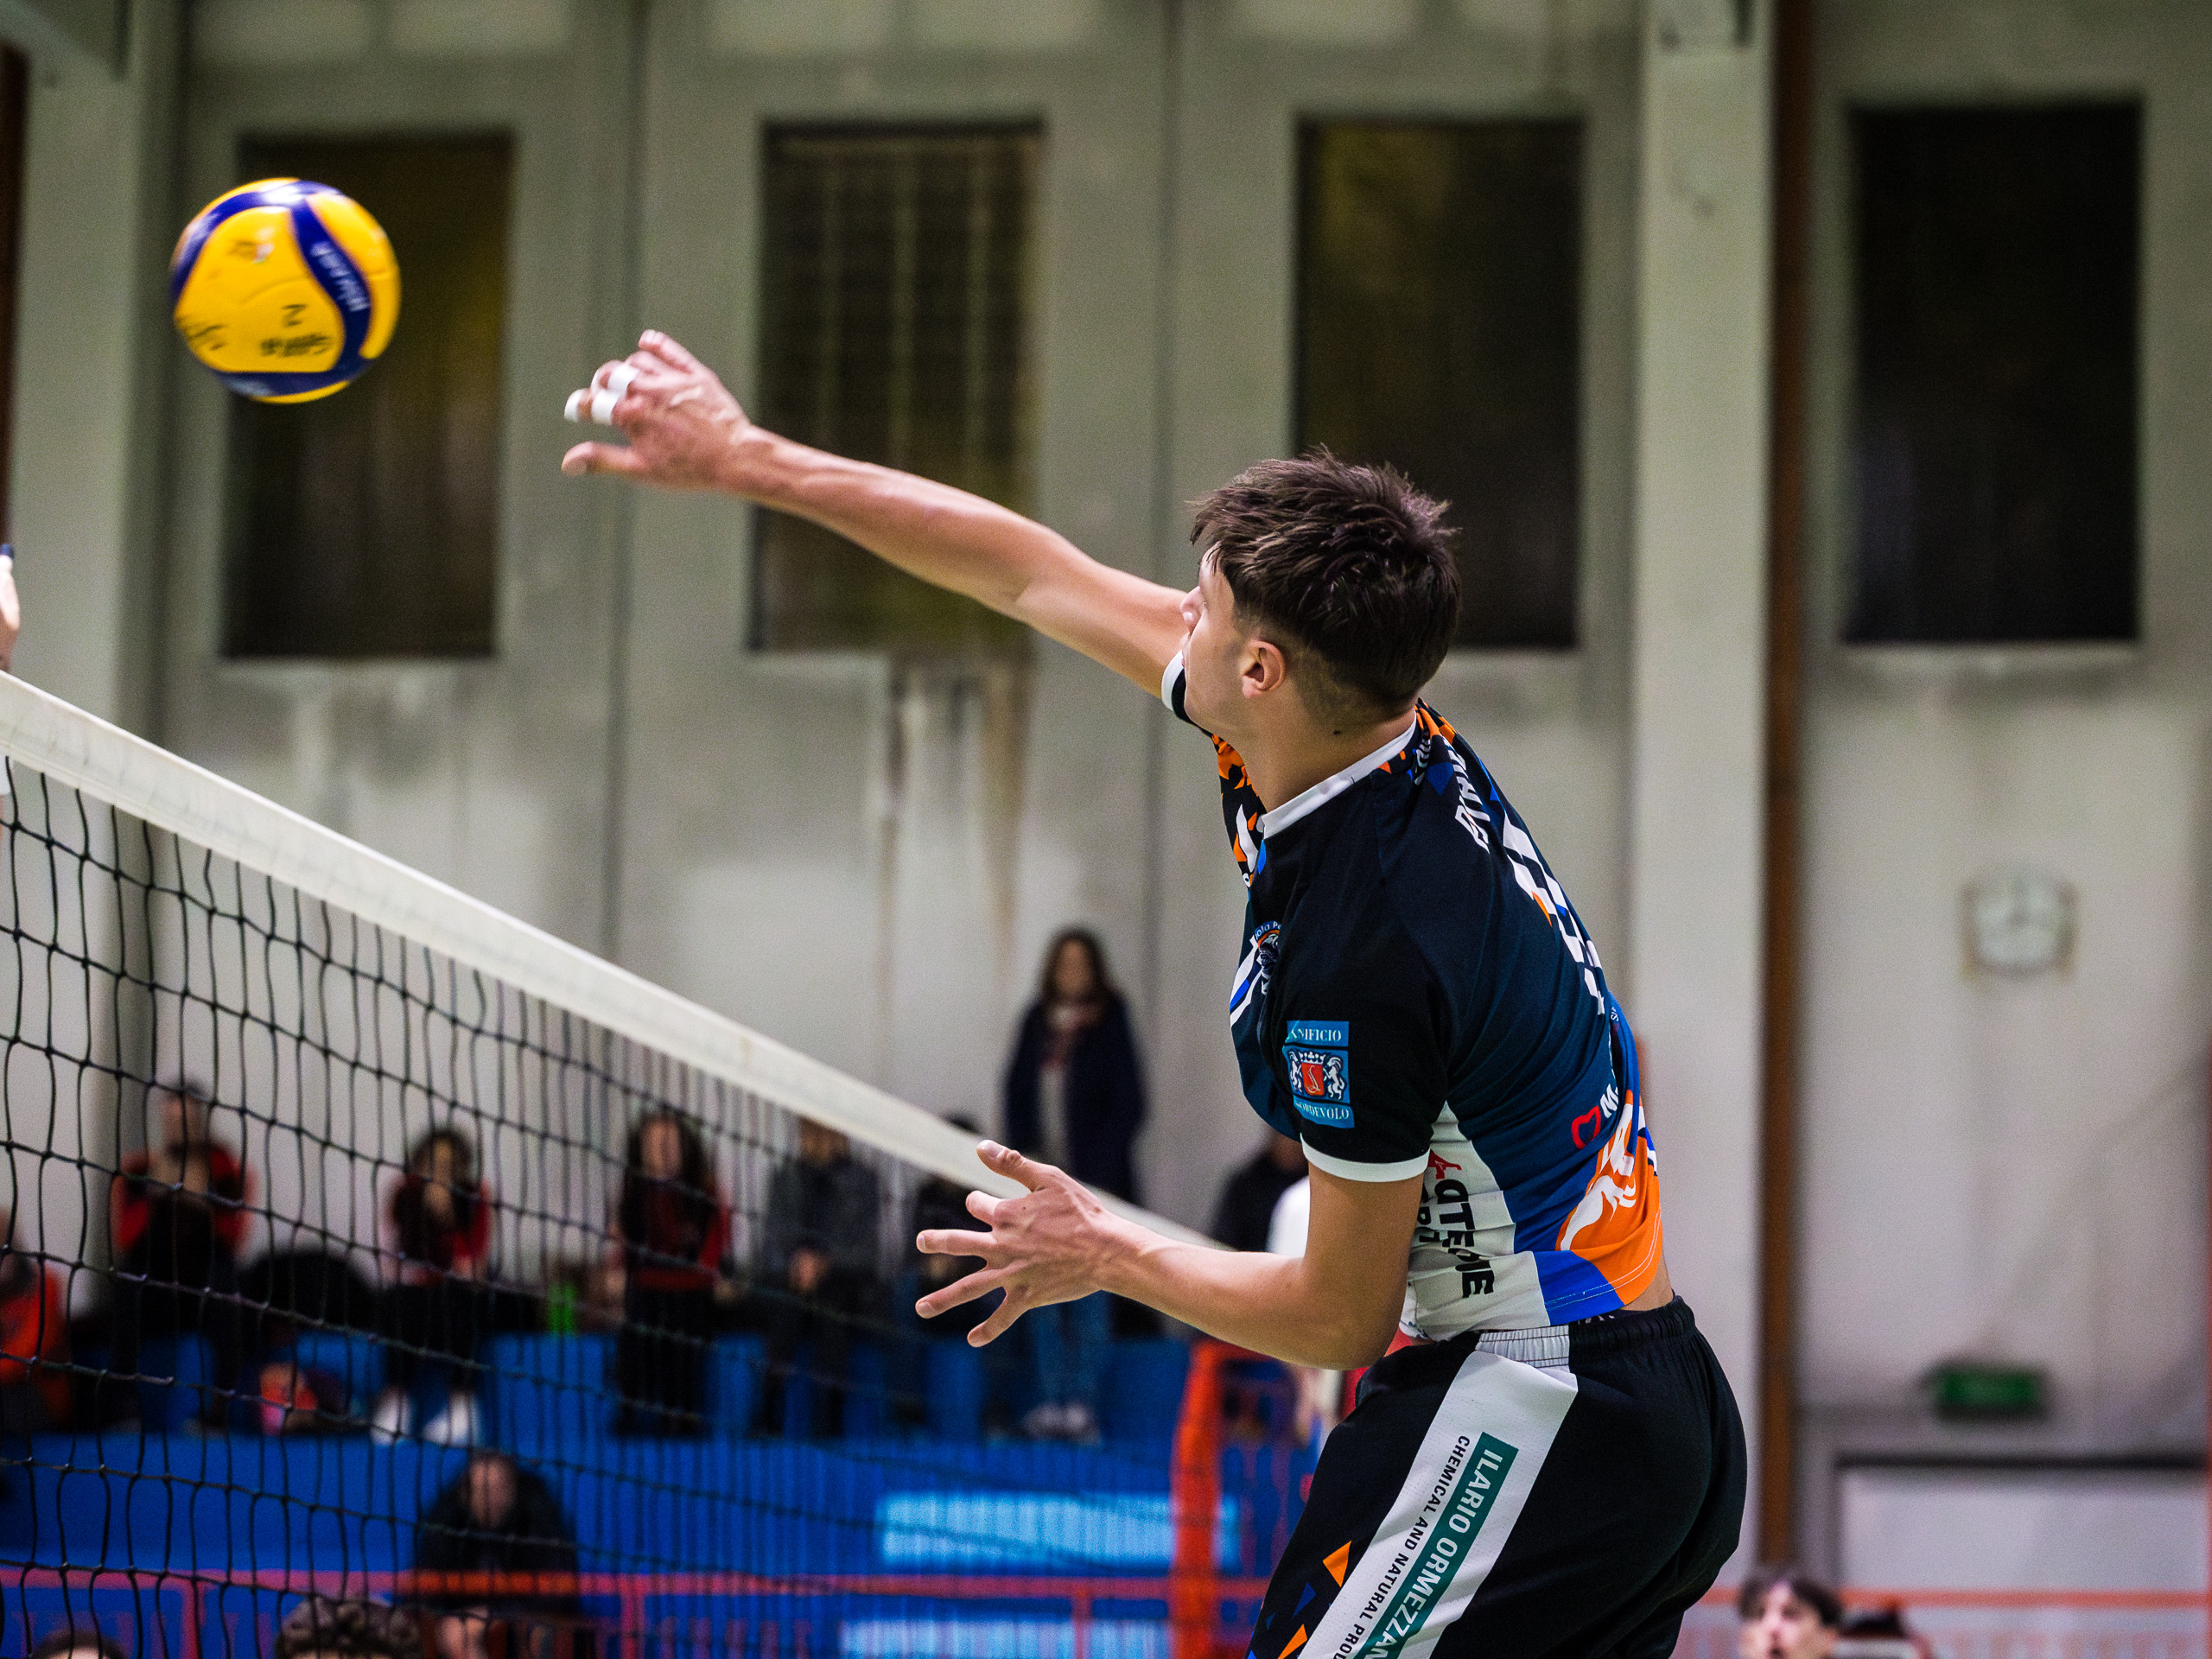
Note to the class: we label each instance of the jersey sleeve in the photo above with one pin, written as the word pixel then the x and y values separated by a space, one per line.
pixel 1362 1059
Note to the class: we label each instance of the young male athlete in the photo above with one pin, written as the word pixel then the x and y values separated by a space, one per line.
pixel 1553 1466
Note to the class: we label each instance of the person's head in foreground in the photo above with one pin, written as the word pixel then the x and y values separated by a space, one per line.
pixel 1336 577
pixel 325 1627
pixel 1787 1614
pixel 78 1642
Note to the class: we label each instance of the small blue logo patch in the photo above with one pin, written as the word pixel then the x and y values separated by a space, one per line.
pixel 1318 1059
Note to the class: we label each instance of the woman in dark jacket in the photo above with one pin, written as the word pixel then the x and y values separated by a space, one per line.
pixel 1074 1093
pixel 1074 1099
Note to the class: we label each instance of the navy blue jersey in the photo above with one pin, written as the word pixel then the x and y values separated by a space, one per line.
pixel 1416 996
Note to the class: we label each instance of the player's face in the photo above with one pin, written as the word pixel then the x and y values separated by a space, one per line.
pixel 1785 1628
pixel 1213 651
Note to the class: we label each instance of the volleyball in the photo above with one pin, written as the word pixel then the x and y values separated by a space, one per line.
pixel 285 289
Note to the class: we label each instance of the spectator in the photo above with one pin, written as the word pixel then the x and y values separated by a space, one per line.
pixel 1246 1205
pixel 290 1398
pixel 818 1256
pixel 34 1340
pixel 1074 1097
pixel 177 1212
pixel 672 1230
pixel 1787 1614
pixel 78 1642
pixel 442 1226
pixel 497 1517
pixel 324 1627
pixel 1073 1091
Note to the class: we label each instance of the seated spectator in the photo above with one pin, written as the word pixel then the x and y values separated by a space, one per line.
pixel 325 1627
pixel 1881 1633
pixel 1787 1614
pixel 498 1517
pixel 1074 1097
pixel 433 1317
pixel 819 1256
pixel 672 1230
pixel 78 1642
pixel 34 1340
pixel 290 1398
pixel 176 1214
pixel 1247 1205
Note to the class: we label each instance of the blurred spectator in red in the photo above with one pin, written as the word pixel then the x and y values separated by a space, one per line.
pixel 34 1340
pixel 294 1399
pixel 441 1218
pixel 176 1215
pixel 819 1262
pixel 671 1230
pixel 1246 1205
pixel 1787 1614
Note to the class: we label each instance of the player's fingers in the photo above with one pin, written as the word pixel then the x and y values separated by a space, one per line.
pixel 981 1282
pixel 1001 1317
pixel 601 458
pixel 946 1241
pixel 667 350
pixel 984 1208
pixel 1005 1161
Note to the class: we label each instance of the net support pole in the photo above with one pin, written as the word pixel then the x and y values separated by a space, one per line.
pixel 1194 1581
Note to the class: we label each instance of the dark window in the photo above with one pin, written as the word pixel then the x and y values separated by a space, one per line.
pixel 894 329
pixel 15 110
pixel 1440 328
pixel 366 524
pixel 1994 445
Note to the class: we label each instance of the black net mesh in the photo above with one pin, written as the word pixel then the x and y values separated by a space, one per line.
pixel 341 1267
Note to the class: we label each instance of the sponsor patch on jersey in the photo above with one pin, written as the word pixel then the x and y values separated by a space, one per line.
pixel 1318 1058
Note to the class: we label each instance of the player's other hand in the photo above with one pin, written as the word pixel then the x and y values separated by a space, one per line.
pixel 1045 1247
pixel 681 421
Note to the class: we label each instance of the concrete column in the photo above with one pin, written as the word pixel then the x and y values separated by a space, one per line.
pixel 1697 719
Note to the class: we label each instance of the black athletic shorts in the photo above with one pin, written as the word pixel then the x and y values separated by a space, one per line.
pixel 1565 1493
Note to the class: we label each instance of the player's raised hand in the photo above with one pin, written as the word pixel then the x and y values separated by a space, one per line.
pixel 1044 1247
pixel 681 421
pixel 11 609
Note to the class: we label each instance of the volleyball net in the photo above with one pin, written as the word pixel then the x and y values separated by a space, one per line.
pixel 366 1240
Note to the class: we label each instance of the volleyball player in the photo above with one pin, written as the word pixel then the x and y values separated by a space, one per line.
pixel 1551 1463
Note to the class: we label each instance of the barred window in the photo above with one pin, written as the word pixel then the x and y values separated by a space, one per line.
pixel 1439 328
pixel 1994 441
pixel 895 328
pixel 367 524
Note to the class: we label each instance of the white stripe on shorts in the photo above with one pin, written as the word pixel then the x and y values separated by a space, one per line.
pixel 1466 1489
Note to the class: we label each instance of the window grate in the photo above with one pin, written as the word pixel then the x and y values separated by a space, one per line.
pixel 895 330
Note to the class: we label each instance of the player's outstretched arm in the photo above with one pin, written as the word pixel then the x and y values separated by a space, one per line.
pixel 687 432
pixel 1336 1307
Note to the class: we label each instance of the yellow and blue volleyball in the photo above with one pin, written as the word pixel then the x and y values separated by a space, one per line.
pixel 287 290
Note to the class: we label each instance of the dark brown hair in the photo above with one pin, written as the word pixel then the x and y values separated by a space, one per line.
pixel 1827 1605
pixel 1102 981
pixel 369 1629
pixel 1349 569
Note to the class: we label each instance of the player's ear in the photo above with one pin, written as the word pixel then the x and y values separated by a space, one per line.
pixel 1263 669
